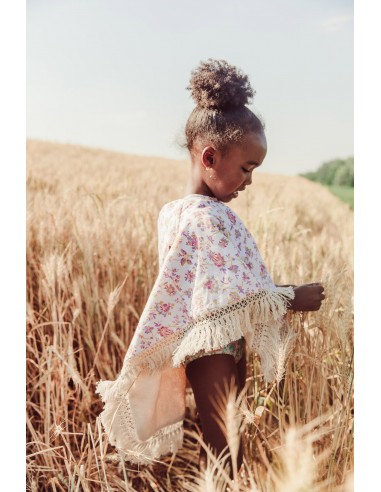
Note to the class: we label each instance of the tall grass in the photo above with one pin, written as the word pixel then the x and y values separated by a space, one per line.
pixel 91 263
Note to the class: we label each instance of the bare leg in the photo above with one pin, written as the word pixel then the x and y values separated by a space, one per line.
pixel 241 368
pixel 206 375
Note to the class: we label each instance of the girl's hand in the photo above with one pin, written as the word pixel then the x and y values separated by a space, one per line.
pixel 308 297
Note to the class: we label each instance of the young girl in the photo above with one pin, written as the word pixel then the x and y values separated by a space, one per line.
pixel 213 295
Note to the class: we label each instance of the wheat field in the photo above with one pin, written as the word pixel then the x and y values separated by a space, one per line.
pixel 91 263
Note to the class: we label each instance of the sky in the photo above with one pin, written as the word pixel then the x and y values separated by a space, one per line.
pixel 113 74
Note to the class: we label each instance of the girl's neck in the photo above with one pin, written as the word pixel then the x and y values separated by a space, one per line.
pixel 196 185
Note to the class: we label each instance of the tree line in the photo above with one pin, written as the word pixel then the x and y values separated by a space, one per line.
pixel 338 172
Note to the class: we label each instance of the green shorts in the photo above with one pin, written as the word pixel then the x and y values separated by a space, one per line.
pixel 236 349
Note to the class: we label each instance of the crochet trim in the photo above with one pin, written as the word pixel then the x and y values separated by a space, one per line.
pixel 212 331
pixel 249 318
pixel 267 305
pixel 209 332
pixel 119 426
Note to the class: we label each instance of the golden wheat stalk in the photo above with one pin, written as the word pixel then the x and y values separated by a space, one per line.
pixel 91 226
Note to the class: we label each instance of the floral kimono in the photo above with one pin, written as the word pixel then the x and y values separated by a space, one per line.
pixel 212 288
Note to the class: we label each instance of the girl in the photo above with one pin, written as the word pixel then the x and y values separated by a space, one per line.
pixel 213 294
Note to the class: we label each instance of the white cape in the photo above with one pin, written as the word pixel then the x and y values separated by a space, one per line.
pixel 212 288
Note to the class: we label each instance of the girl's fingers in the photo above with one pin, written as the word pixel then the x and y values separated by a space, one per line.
pixel 319 286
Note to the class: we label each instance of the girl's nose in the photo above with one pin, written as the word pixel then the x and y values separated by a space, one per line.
pixel 249 179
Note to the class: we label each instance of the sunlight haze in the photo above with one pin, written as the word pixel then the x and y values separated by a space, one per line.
pixel 113 74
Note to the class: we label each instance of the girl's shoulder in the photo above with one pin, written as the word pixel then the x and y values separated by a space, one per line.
pixel 195 207
pixel 194 204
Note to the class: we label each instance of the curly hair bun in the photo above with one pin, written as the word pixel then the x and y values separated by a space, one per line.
pixel 217 85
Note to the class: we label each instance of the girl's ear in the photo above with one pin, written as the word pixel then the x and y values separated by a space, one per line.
pixel 207 156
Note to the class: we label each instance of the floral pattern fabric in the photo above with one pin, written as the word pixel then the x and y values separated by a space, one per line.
pixel 207 259
pixel 212 290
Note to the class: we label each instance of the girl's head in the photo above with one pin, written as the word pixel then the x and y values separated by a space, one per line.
pixel 225 139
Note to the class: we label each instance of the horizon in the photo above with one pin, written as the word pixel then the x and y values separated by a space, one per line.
pixel 118 81
pixel 261 169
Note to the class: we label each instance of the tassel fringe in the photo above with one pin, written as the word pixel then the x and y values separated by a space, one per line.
pixel 254 317
pixel 258 318
pixel 118 423
pixel 146 452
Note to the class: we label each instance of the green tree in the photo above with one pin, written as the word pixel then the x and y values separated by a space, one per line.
pixel 337 172
pixel 326 173
pixel 344 175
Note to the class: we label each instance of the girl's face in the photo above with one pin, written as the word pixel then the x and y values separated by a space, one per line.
pixel 224 176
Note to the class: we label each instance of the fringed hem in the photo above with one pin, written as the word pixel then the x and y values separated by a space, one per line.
pixel 256 317
pixel 116 389
pixel 145 452
pixel 209 335
pixel 118 424
pixel 266 305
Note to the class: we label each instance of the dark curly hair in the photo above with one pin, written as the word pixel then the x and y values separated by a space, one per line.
pixel 221 117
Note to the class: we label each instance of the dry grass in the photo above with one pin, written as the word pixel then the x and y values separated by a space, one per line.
pixel 91 263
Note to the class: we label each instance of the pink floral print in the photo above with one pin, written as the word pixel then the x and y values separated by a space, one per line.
pixel 212 289
pixel 207 259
